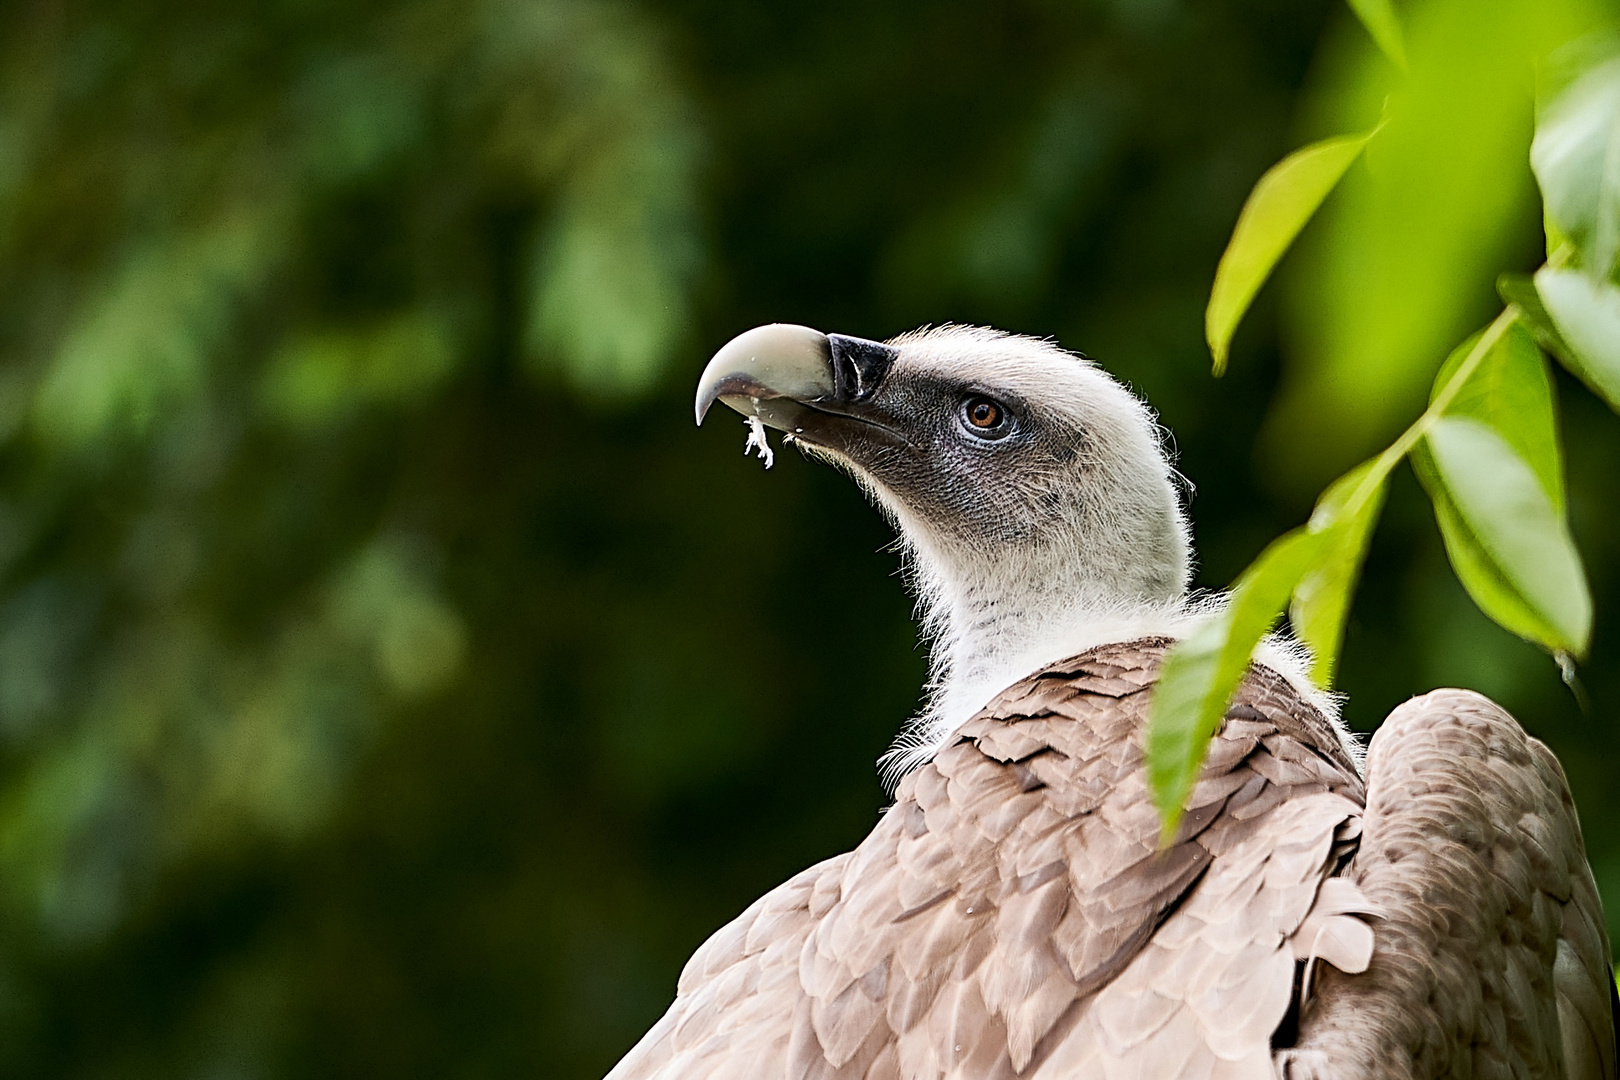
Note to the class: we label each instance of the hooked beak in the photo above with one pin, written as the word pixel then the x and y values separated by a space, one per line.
pixel 782 371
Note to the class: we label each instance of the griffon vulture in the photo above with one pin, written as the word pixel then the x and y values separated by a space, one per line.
pixel 1425 912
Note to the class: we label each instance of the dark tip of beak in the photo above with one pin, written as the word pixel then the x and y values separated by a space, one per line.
pixel 859 366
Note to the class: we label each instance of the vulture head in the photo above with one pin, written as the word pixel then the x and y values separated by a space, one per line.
pixel 1029 487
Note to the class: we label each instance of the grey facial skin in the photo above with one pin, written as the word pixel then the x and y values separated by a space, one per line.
pixel 911 431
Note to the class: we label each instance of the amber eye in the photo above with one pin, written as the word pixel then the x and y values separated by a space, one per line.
pixel 984 417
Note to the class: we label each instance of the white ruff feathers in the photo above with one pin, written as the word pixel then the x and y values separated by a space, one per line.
pixel 966 674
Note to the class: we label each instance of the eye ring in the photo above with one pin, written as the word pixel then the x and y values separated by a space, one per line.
pixel 984 417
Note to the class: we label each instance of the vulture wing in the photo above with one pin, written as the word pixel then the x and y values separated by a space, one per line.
pixel 1012 914
pixel 1492 959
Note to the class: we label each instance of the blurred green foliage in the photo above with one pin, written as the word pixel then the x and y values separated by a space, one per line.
pixel 392 682
pixel 1487 447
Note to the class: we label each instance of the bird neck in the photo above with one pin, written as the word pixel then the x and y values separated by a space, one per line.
pixel 995 623
pixel 991 636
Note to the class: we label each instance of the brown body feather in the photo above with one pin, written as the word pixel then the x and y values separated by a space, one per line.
pixel 1012 915
pixel 1493 959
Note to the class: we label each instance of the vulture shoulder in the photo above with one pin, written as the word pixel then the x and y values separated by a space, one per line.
pixel 1012 914
pixel 1492 957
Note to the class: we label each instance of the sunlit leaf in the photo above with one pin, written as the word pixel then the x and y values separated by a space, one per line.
pixel 1276 210
pixel 1485 584
pixel 611 277
pixel 1378 16
pixel 1576 158
pixel 144 345
pixel 1508 544
pixel 1556 240
pixel 1202 671
pixel 1497 487
pixel 1344 518
pixel 1586 314
pixel 1509 392
pixel 1520 289
pixel 386 600
pixel 612 264
pixel 320 377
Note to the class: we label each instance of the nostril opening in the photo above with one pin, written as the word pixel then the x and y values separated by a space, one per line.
pixel 859 366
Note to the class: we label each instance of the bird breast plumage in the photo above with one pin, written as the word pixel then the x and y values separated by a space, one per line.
pixel 1015 915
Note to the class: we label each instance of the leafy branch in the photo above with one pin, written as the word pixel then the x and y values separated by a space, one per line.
pixel 1486 449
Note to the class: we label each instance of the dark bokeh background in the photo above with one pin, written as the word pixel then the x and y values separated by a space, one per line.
pixel 393 682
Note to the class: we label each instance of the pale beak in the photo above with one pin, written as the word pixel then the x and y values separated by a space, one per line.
pixel 767 371
pixel 779 371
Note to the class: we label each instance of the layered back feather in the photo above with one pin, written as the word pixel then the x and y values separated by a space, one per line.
pixel 1013 914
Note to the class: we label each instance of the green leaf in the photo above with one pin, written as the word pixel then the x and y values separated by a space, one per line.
pixel 1508 544
pixel 1510 393
pixel 1520 289
pixel 1202 671
pixel 1344 516
pixel 1587 316
pixel 145 345
pixel 1576 158
pixel 319 378
pixel 1490 590
pixel 1276 210
pixel 1378 16
pixel 614 264
pixel 1556 239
